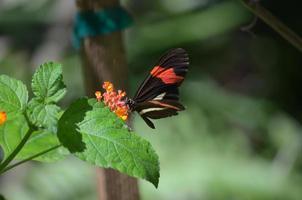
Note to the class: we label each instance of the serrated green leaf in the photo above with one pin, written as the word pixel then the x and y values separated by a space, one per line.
pixel 39 141
pixel 13 95
pixel 43 115
pixel 67 129
pixel 107 142
pixel 14 129
pixel 121 150
pixel 47 83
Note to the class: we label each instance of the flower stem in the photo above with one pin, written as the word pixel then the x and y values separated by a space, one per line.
pixel 274 23
pixel 30 158
pixel 16 150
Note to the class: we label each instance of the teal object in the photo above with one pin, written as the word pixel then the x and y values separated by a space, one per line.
pixel 101 22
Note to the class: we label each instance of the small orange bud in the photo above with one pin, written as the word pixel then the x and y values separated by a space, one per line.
pixel 98 95
pixel 121 93
pixel 108 86
pixel 124 117
pixel 3 117
pixel 122 112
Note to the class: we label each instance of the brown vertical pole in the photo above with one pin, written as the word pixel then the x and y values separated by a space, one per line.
pixel 104 59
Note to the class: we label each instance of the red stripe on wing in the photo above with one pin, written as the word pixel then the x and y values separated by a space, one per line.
pixel 167 76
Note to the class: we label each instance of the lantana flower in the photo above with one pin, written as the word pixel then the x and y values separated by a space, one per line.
pixel 114 100
pixel 3 117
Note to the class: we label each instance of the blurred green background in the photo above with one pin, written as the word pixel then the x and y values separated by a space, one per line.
pixel 241 135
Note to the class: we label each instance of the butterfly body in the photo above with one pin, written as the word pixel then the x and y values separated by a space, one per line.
pixel 158 95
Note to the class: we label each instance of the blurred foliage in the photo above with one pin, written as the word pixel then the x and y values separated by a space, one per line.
pixel 240 137
pixel 187 27
pixel 64 180
pixel 31 19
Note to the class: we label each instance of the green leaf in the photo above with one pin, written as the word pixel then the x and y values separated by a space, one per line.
pixel 67 129
pixel 39 141
pixel 108 143
pixel 43 115
pixel 123 151
pixel 14 129
pixel 13 95
pixel 47 83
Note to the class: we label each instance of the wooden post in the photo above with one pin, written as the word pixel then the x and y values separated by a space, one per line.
pixel 104 59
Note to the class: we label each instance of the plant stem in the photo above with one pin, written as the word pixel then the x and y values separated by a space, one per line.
pixel 30 158
pixel 274 23
pixel 17 149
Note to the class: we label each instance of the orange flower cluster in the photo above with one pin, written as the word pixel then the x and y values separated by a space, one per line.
pixel 3 117
pixel 114 100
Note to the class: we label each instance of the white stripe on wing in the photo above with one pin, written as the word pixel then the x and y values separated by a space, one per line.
pixel 159 97
pixel 150 110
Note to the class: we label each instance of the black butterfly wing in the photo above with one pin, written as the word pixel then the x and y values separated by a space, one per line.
pixel 171 69
pixel 158 95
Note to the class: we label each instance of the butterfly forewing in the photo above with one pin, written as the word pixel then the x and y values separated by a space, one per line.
pixel 170 69
pixel 158 96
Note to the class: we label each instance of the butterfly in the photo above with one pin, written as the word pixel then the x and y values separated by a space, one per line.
pixel 158 95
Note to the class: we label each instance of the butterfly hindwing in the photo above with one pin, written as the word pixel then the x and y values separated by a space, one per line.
pixel 158 96
pixel 158 109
